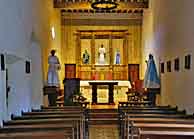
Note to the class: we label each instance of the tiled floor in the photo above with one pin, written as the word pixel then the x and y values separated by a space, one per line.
pixel 103 132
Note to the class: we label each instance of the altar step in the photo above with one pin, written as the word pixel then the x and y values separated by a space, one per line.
pixel 103 116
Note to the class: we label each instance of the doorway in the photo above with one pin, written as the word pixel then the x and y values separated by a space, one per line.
pixel 70 71
pixel 133 72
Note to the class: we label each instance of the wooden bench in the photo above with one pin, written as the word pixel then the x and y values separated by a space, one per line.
pixel 25 117
pixel 37 135
pixel 166 134
pixel 161 108
pixel 135 103
pixel 153 112
pixel 47 120
pixel 162 120
pixel 160 116
pixel 40 132
pixel 165 131
pixel 158 128
pixel 76 125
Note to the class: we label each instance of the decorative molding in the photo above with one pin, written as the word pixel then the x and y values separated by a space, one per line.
pixel 78 4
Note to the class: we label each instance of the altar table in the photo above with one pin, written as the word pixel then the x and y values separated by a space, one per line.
pixel 94 85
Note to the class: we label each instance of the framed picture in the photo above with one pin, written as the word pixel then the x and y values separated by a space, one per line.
pixel 2 62
pixel 28 67
pixel 176 64
pixel 188 61
pixel 162 67
pixel 168 66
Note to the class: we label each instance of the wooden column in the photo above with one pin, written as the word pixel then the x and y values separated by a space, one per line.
pixel 125 57
pixel 78 49
pixel 93 54
pixel 111 50
pixel 93 51
pixel 78 54
pixel 125 51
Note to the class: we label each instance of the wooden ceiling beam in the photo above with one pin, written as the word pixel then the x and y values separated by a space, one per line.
pixel 81 14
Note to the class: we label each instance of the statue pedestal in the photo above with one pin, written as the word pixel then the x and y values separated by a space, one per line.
pixel 152 92
pixel 51 91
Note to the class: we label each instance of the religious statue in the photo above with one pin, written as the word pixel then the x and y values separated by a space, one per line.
pixel 54 66
pixel 151 79
pixel 102 54
pixel 117 57
pixel 86 57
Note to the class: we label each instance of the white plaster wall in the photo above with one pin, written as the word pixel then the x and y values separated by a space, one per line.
pixel 20 92
pixel 173 34
pixel 36 76
pixel 147 40
pixel 19 19
pixel 3 96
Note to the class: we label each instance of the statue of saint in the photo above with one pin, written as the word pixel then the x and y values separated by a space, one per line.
pixel 54 66
pixel 102 54
pixel 86 57
pixel 151 79
pixel 117 57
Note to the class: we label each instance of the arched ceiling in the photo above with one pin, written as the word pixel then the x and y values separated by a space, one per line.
pixel 80 12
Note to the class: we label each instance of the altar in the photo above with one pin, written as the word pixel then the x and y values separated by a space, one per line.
pixel 110 85
pixel 104 91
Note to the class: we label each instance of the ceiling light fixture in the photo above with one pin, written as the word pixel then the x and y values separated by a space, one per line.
pixel 104 5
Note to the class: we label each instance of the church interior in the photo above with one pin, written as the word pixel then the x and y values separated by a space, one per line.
pixel 96 69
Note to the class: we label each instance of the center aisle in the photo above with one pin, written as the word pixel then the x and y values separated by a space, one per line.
pixel 103 122
pixel 103 132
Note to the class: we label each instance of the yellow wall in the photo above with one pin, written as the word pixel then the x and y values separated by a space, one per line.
pixel 54 20
pixel 65 41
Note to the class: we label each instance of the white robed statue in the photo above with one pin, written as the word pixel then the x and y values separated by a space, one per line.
pixel 54 67
pixel 102 53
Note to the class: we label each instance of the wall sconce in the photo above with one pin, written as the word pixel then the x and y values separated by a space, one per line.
pixel 53 33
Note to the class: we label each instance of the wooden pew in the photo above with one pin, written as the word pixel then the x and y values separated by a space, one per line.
pixel 147 107
pixel 73 108
pixel 166 134
pixel 76 126
pixel 162 120
pixel 160 116
pixel 158 128
pixel 164 131
pixel 149 121
pixel 153 112
pixel 135 103
pixel 37 135
pixel 43 124
pixel 40 132
pixel 50 116
pixel 41 121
